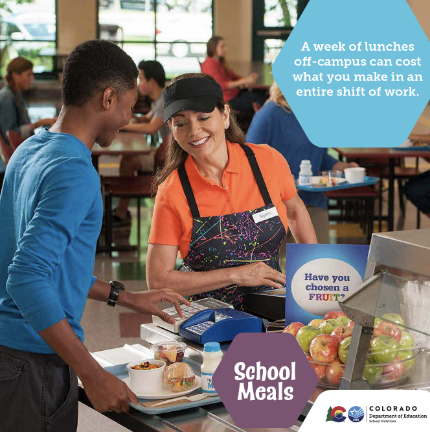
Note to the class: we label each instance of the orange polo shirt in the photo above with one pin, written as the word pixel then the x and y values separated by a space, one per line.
pixel 172 222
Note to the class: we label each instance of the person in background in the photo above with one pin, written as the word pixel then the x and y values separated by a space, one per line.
pixel 51 212
pixel 151 82
pixel 417 189
pixel 13 113
pixel 230 82
pixel 276 125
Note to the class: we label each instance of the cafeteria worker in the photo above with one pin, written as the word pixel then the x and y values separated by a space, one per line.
pixel 225 205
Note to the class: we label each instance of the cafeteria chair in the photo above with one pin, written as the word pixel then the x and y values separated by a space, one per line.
pixel 6 150
pixel 401 174
pixel 15 139
pixel 129 187
pixel 363 200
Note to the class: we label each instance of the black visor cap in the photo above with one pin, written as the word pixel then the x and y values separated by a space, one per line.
pixel 196 94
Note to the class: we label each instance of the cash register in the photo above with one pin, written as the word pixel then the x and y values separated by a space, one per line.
pixel 188 311
pixel 220 325
pixel 209 320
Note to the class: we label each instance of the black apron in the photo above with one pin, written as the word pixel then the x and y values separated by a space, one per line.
pixel 232 240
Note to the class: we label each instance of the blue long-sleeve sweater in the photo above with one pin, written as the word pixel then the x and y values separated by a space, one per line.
pixel 50 217
pixel 281 130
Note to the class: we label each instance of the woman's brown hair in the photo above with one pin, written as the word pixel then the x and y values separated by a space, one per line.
pixel 176 155
pixel 211 51
pixel 17 65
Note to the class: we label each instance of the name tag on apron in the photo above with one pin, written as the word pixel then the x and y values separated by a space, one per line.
pixel 264 215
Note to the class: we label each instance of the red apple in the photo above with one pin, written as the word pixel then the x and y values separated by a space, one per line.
pixel 319 369
pixel 323 348
pixel 342 332
pixel 316 322
pixel 335 372
pixel 351 324
pixel 389 329
pixel 333 315
pixel 293 328
pixel 393 371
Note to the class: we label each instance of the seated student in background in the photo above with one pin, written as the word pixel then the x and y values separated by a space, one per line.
pixel 151 82
pixel 230 82
pixel 417 189
pixel 13 113
pixel 276 125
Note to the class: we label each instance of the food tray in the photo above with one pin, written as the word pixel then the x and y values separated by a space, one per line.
pixel 368 181
pixel 120 371
pixel 417 148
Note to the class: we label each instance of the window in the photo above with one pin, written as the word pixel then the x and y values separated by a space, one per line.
pixel 174 32
pixel 273 22
pixel 28 32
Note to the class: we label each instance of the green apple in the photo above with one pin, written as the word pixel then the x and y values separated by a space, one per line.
pixel 329 325
pixel 407 340
pixel 306 335
pixel 377 321
pixel 384 349
pixel 372 373
pixel 405 355
pixel 344 349
pixel 344 320
pixel 395 318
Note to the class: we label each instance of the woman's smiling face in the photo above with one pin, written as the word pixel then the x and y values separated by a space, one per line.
pixel 200 134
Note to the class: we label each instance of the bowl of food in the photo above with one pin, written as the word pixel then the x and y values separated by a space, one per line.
pixel 169 352
pixel 146 376
pixel 331 178
pixel 179 377
pixel 391 356
pixel 355 174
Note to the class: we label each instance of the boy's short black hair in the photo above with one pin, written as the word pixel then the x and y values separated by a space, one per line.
pixel 92 67
pixel 153 69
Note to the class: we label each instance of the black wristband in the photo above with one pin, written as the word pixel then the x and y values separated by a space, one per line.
pixel 115 288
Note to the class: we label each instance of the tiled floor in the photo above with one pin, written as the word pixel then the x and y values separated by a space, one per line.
pixel 107 327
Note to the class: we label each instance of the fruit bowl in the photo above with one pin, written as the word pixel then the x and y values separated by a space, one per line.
pixel 378 375
pixel 391 357
pixel 169 352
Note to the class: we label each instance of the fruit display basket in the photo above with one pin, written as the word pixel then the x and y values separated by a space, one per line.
pixel 378 375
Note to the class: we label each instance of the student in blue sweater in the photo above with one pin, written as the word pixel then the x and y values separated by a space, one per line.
pixel 50 218
pixel 276 125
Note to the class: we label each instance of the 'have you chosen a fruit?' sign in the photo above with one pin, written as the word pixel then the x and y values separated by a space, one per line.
pixel 319 276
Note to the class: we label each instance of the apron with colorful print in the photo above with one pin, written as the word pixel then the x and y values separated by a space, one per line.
pixel 234 239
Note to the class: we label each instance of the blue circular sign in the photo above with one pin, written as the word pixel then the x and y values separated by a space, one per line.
pixel 356 414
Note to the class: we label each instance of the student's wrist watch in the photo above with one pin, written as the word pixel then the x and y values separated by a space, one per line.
pixel 115 288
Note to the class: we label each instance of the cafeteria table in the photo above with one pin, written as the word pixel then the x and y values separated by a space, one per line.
pixel 383 153
pixel 124 143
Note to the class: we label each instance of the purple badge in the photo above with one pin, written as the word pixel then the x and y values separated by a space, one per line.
pixel 265 380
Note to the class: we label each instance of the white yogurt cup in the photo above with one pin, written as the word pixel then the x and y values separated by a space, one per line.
pixel 146 381
pixel 355 174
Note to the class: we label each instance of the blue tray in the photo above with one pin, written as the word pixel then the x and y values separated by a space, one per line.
pixel 413 148
pixel 368 181
pixel 120 371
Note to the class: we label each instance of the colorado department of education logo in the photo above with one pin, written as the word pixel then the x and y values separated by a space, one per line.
pixel 356 414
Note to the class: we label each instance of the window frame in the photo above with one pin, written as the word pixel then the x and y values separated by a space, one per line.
pixel 153 42
pixel 260 32
pixel 54 72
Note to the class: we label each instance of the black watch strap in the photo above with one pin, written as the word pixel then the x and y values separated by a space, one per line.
pixel 115 288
